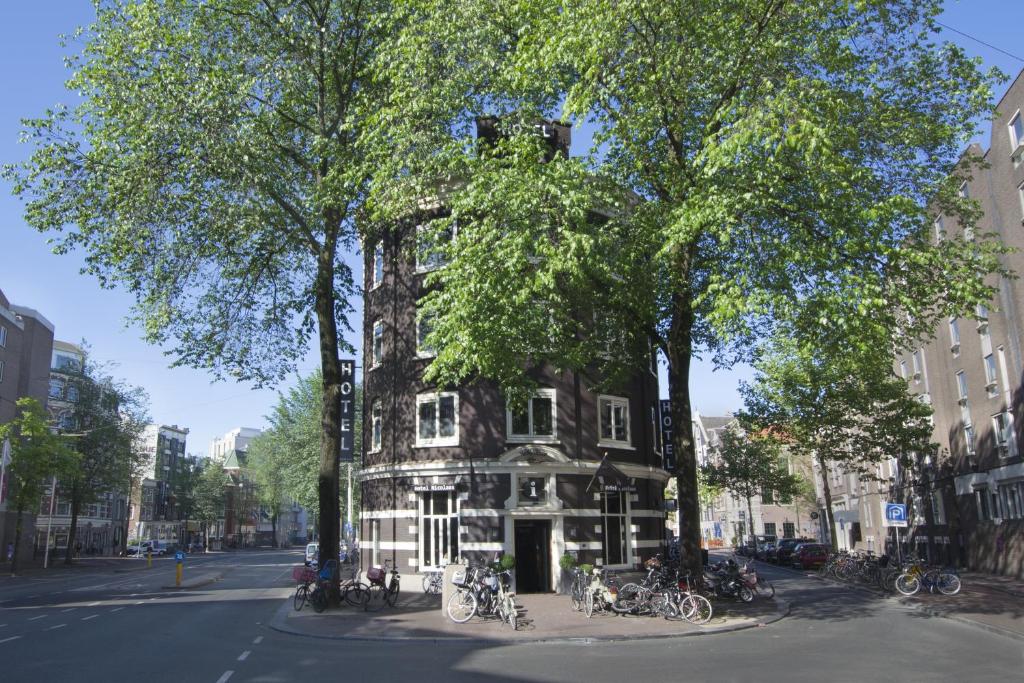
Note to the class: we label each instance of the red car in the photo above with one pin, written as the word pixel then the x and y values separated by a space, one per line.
pixel 809 555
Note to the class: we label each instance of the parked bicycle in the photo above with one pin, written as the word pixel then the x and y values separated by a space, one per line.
pixel 481 591
pixel 433 580
pixel 304 577
pixel 945 580
pixel 385 584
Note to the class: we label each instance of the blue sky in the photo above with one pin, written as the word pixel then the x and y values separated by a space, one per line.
pixel 31 79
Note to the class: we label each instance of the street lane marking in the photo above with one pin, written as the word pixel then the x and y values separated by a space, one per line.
pixel 68 609
pixel 54 628
pixel 140 602
pixel 91 616
pixel 259 639
pixel 16 637
pixel 242 657
pixel 117 609
pixel 41 616
pixel 92 604
pixel 222 679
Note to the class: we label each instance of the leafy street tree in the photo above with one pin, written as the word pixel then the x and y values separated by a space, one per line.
pixel 851 413
pixel 755 163
pixel 108 418
pixel 37 455
pixel 209 495
pixel 746 464
pixel 214 165
pixel 266 465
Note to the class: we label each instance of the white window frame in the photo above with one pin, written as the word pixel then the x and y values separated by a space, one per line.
pixel 614 401
pixel 1 370
pixel 939 229
pixel 377 344
pixel 903 369
pixel 376 426
pixel 626 518
pixel 962 191
pixel 436 440
pixel 969 439
pixel 918 360
pixel 1020 195
pixel 432 524
pixel 422 351
pixel 378 264
pixel 1004 436
pixel 548 393
pixel 1016 141
pixel 3 337
pixel 991 372
pixel 981 312
pixel 427 267
pixel 954 336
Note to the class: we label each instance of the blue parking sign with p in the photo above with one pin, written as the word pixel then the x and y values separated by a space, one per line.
pixel 896 514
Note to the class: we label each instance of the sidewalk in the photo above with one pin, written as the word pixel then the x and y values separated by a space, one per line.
pixel 543 617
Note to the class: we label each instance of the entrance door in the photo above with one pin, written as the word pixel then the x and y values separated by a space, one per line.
pixel 533 555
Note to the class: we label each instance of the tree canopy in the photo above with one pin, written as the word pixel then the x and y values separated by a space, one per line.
pixel 754 163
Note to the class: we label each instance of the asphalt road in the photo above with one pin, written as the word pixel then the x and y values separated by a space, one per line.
pixel 122 626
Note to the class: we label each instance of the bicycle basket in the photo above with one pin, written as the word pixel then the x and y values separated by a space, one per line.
pixel 375 574
pixel 653 563
pixel 459 578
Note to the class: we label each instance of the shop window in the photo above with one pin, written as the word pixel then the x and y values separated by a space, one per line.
pixel 437 419
pixel 613 418
pixel 439 528
pixel 615 527
pixel 535 421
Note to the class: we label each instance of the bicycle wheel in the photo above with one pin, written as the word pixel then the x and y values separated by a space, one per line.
pixel 428 583
pixel 511 614
pixel 626 600
pixel 576 594
pixel 908 584
pixel 461 606
pixel 948 583
pixel 663 604
pixel 393 589
pixel 745 594
pixel 356 594
pixel 318 599
pixel 301 596
pixel 696 609
pixel 765 588
pixel 588 603
pixel 376 598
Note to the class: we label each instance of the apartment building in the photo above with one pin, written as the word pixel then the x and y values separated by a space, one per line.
pixel 155 513
pixel 968 497
pixel 26 345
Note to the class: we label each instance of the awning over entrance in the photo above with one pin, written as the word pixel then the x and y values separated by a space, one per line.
pixel 608 477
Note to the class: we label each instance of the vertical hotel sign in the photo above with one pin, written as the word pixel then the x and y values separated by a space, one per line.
pixel 348 411
pixel 667 447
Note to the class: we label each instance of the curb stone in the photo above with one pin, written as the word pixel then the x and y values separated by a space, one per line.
pixel 279 623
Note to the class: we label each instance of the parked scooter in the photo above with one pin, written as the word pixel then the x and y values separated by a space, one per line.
pixel 724 580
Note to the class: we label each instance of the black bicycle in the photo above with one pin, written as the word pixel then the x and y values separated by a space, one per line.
pixel 384 586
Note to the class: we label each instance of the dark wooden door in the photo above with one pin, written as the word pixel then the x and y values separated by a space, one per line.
pixel 533 556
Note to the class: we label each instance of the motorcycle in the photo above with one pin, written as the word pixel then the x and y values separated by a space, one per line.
pixel 724 580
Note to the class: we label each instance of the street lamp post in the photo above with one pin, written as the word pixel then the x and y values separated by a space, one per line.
pixel 49 523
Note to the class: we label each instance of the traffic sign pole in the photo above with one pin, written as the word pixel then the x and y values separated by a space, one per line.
pixel 179 566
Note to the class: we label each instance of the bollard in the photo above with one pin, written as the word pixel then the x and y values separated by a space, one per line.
pixel 177 574
pixel 149 557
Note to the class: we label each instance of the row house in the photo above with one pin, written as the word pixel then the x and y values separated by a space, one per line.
pixel 166 472
pixel 968 497
pixel 454 472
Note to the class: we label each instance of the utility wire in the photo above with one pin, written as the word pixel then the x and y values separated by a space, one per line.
pixel 982 42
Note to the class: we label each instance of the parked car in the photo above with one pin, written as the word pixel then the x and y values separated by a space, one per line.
pixel 147 546
pixel 809 556
pixel 765 552
pixel 785 549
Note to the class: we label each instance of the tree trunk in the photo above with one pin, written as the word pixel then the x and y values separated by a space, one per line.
pixel 17 538
pixel 678 357
pixel 827 492
pixel 750 522
pixel 330 411
pixel 76 506
pixel 273 527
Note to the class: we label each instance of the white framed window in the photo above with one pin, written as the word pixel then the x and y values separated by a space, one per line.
pixel 378 343
pixel 439 528
pixel 1020 195
pixel 961 386
pixel 981 313
pixel 376 426
pixel 615 529
pixel 918 366
pixel 963 191
pixel 378 265
pixel 1011 500
pixel 535 421
pixel 969 439
pixel 903 369
pixel 3 337
pixel 990 374
pixel 981 500
pixel 424 325
pixel 374 542
pixel 954 336
pixel 1 371
pixel 1016 128
pixel 437 419
pixel 432 244
pixel 56 389
pixel 1002 427
pixel 940 229
pixel 613 421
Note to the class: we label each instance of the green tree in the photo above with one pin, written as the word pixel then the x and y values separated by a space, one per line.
pixel 209 495
pixel 851 412
pixel 37 455
pixel 266 463
pixel 214 165
pixel 747 464
pixel 108 418
pixel 754 162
